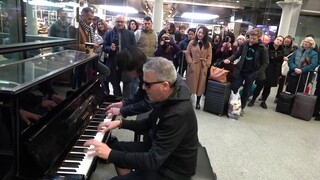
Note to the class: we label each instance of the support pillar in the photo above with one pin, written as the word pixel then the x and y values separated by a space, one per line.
pixel 157 15
pixel 32 28
pixel 289 17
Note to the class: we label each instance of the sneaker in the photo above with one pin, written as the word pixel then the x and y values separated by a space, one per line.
pixel 242 113
pixel 263 105
pixel 317 118
pixel 251 103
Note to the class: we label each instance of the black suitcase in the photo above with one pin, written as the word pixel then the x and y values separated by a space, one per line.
pixel 285 101
pixel 217 97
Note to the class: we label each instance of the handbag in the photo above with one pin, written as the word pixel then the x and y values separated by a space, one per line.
pixel 218 74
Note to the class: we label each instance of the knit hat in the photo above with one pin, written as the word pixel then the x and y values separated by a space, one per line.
pixel 241 36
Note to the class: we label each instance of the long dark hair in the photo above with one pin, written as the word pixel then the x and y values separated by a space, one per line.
pixel 205 37
pixel 135 22
pixel 131 59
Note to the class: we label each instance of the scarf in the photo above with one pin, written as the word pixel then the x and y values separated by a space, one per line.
pixel 88 29
pixel 300 56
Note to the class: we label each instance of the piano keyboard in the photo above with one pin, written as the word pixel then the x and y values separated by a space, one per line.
pixel 78 161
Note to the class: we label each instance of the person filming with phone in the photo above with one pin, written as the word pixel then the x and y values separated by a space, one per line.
pixel 115 41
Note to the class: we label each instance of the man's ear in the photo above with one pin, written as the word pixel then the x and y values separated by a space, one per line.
pixel 167 85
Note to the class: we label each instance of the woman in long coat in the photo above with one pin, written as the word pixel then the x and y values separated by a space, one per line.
pixel 199 56
pixel 273 72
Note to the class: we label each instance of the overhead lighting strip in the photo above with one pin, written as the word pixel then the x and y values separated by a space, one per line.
pixel 202 16
pixel 120 9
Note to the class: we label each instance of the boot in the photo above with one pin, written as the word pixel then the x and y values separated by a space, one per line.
pixel 264 105
pixel 251 103
pixel 198 102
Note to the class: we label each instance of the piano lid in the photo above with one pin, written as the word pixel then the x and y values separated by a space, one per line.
pixel 18 76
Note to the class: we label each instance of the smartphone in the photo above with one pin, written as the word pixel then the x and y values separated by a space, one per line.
pixel 115 41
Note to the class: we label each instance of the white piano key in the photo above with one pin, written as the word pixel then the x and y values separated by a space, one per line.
pixel 86 162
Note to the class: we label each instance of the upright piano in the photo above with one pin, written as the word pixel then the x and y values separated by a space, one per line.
pixel 51 147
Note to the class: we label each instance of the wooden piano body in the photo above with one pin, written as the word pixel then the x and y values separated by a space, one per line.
pixel 41 150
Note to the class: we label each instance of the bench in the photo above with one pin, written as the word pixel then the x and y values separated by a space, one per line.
pixel 204 170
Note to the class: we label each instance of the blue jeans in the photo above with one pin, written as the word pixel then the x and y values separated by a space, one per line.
pixel 249 78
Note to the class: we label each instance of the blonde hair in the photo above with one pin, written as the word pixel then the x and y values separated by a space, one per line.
pixel 311 41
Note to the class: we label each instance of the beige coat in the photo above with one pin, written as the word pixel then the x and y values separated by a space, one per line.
pixel 198 63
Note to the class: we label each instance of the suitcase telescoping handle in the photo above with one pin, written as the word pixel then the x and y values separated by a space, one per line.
pixel 306 84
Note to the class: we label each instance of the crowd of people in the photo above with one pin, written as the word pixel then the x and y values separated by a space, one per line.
pixel 148 63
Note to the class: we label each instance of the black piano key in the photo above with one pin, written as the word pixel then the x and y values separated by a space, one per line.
pixel 97 120
pixel 79 143
pixel 92 123
pixel 74 158
pixel 92 127
pixel 103 106
pixel 76 155
pixel 99 116
pixel 78 149
pixel 106 103
pixel 90 132
pixel 67 170
pixel 86 137
pixel 101 112
pixel 70 164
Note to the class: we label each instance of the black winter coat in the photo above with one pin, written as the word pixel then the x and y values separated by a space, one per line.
pixel 273 71
pixel 261 60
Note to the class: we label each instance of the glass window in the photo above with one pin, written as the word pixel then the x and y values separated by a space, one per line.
pixel 40 21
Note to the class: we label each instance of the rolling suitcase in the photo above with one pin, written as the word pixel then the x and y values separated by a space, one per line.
pixel 303 105
pixel 285 100
pixel 217 97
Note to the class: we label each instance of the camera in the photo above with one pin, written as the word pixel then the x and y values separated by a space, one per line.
pixel 166 42
pixel 115 41
pixel 226 39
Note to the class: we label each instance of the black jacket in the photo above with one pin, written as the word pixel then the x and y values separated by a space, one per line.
pixel 127 39
pixel 137 103
pixel 261 60
pixel 172 136
pixel 273 71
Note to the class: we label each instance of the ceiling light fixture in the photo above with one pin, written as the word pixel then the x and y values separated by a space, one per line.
pixel 223 4
pixel 201 16
pixel 120 9
pixel 44 3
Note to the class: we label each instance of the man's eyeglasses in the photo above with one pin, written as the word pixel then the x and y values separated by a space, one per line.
pixel 149 84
